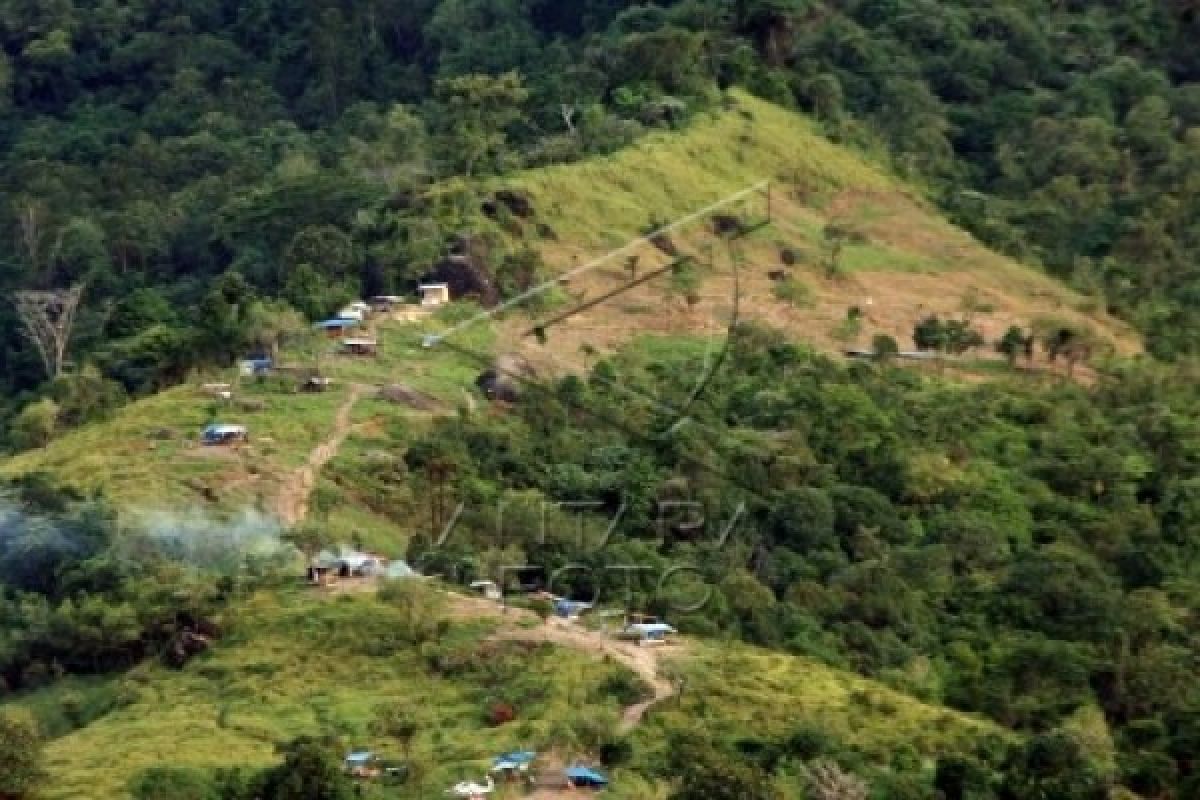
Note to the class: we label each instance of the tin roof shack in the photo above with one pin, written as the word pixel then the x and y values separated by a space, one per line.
pixel 488 589
pixel 576 776
pixel 328 567
pixel 359 347
pixel 581 777
pixel 648 633
pixel 513 766
pixel 337 328
pixel 434 294
pixel 255 367
pixel 222 434
pixel 570 609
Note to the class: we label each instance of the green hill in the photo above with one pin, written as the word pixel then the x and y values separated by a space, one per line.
pixel 901 262
pixel 296 662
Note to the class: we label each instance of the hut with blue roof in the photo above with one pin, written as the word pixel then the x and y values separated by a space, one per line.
pixel 337 327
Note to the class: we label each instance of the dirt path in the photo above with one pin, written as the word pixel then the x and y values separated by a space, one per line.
pixel 644 661
pixel 291 504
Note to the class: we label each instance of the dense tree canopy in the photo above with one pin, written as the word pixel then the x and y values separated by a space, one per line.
pixel 1005 549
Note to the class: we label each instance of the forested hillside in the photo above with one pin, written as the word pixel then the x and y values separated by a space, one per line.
pixel 196 163
pixel 968 572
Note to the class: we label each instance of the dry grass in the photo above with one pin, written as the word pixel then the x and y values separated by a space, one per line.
pixel 906 261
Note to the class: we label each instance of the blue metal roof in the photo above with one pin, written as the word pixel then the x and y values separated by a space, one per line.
pixel 586 776
pixel 517 757
pixel 330 324
pixel 359 757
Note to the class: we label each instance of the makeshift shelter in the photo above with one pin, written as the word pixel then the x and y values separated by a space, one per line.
pixel 337 327
pixel 328 567
pixel 570 609
pixel 224 434
pixel 352 564
pixel 359 347
pixel 255 367
pixel 434 294
pixel 512 766
pixel 488 589
pixel 581 777
pixel 649 632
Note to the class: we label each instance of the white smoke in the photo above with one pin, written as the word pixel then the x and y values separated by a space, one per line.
pixel 218 544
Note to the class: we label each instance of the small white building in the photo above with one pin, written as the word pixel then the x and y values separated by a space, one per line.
pixel 488 589
pixel 434 294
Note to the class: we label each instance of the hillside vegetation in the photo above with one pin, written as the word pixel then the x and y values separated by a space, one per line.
pixel 855 339
pixel 897 260
pixel 904 264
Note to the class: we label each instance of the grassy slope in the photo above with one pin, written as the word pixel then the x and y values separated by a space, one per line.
pixel 906 262
pixel 298 662
pixel 746 691
pixel 286 671
pixel 909 263
pixel 148 456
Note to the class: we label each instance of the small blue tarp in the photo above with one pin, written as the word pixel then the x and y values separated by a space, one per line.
pixel 359 758
pixel 513 761
pixel 585 776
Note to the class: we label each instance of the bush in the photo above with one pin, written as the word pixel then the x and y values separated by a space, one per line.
pixel 20 756
pixel 419 609
pixel 615 751
pixel 794 292
pixel 624 687
pixel 174 783
pixel 500 714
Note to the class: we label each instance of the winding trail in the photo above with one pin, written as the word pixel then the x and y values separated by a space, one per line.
pixel 291 503
pixel 644 661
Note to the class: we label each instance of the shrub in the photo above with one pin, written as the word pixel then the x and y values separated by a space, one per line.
pixel 625 687
pixel 20 755
pixel 615 751
pixel 174 783
pixel 500 714
pixel 794 292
